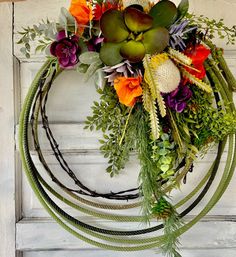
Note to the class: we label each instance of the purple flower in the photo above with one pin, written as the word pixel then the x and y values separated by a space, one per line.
pixel 66 49
pixel 177 100
pixel 94 44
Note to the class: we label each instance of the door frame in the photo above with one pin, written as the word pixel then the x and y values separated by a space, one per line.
pixel 9 112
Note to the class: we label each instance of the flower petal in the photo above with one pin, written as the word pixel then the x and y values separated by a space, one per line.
pixel 61 35
pixel 64 62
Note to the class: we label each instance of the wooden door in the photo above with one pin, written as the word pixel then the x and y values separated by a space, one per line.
pixel 25 228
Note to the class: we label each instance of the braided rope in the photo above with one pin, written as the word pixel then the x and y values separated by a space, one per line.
pixel 51 208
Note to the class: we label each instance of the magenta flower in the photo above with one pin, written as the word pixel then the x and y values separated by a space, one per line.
pixel 66 49
pixel 177 100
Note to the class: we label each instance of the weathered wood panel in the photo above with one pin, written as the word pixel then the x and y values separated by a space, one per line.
pixel 80 149
pixel 151 253
pixel 7 161
pixel 205 234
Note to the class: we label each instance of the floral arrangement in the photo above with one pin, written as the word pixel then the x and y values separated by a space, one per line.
pixel 166 90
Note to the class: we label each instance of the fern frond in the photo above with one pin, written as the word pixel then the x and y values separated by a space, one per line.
pixel 179 57
pixel 149 78
pixel 154 121
pixel 202 85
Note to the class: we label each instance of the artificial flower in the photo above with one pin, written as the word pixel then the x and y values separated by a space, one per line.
pixel 99 9
pixel 128 89
pixel 123 69
pixel 66 49
pixel 177 100
pixel 82 11
pixel 94 44
pixel 198 54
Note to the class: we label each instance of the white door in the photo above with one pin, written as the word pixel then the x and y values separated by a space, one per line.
pixel 25 228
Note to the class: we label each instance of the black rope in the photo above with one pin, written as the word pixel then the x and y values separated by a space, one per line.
pixel 51 203
pixel 122 195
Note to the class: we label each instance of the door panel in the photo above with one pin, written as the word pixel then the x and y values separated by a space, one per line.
pixel 186 253
pixel 69 104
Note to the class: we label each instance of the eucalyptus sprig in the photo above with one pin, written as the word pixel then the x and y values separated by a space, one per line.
pixel 44 33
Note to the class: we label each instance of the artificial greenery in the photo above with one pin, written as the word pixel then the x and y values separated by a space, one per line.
pixel 111 118
pixel 137 111
pixel 155 202
pixel 202 123
pixel 44 33
pixel 164 156
pixel 212 28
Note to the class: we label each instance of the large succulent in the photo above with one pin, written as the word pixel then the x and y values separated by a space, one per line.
pixel 130 34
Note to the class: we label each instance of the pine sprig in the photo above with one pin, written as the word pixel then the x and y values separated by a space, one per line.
pixel 148 173
pixel 152 191
pixel 171 243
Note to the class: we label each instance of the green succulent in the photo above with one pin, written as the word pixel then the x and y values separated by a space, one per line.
pixel 130 34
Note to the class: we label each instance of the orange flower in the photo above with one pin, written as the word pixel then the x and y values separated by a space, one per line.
pixel 128 89
pixel 82 11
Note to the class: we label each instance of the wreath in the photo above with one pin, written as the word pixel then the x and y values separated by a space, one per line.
pixel 165 95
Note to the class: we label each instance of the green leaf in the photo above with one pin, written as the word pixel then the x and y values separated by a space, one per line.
pixel 164 13
pixel 66 16
pixel 166 160
pixel 66 19
pixel 91 70
pixel 118 32
pixel 110 53
pixel 99 78
pixel 89 57
pixel 23 50
pixel 165 167
pixel 133 51
pixel 156 40
pixel 82 68
pixel 183 9
pixel 136 20
pixel 39 48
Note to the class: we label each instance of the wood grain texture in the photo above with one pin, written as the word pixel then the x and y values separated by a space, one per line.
pixel 7 161
pixel 205 234
pixel 90 168
pixel 69 104
pixel 151 253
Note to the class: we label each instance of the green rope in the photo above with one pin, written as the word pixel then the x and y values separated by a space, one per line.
pixel 102 215
pixel 226 177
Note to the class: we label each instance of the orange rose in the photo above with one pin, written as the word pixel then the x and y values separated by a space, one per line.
pixel 82 12
pixel 128 89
